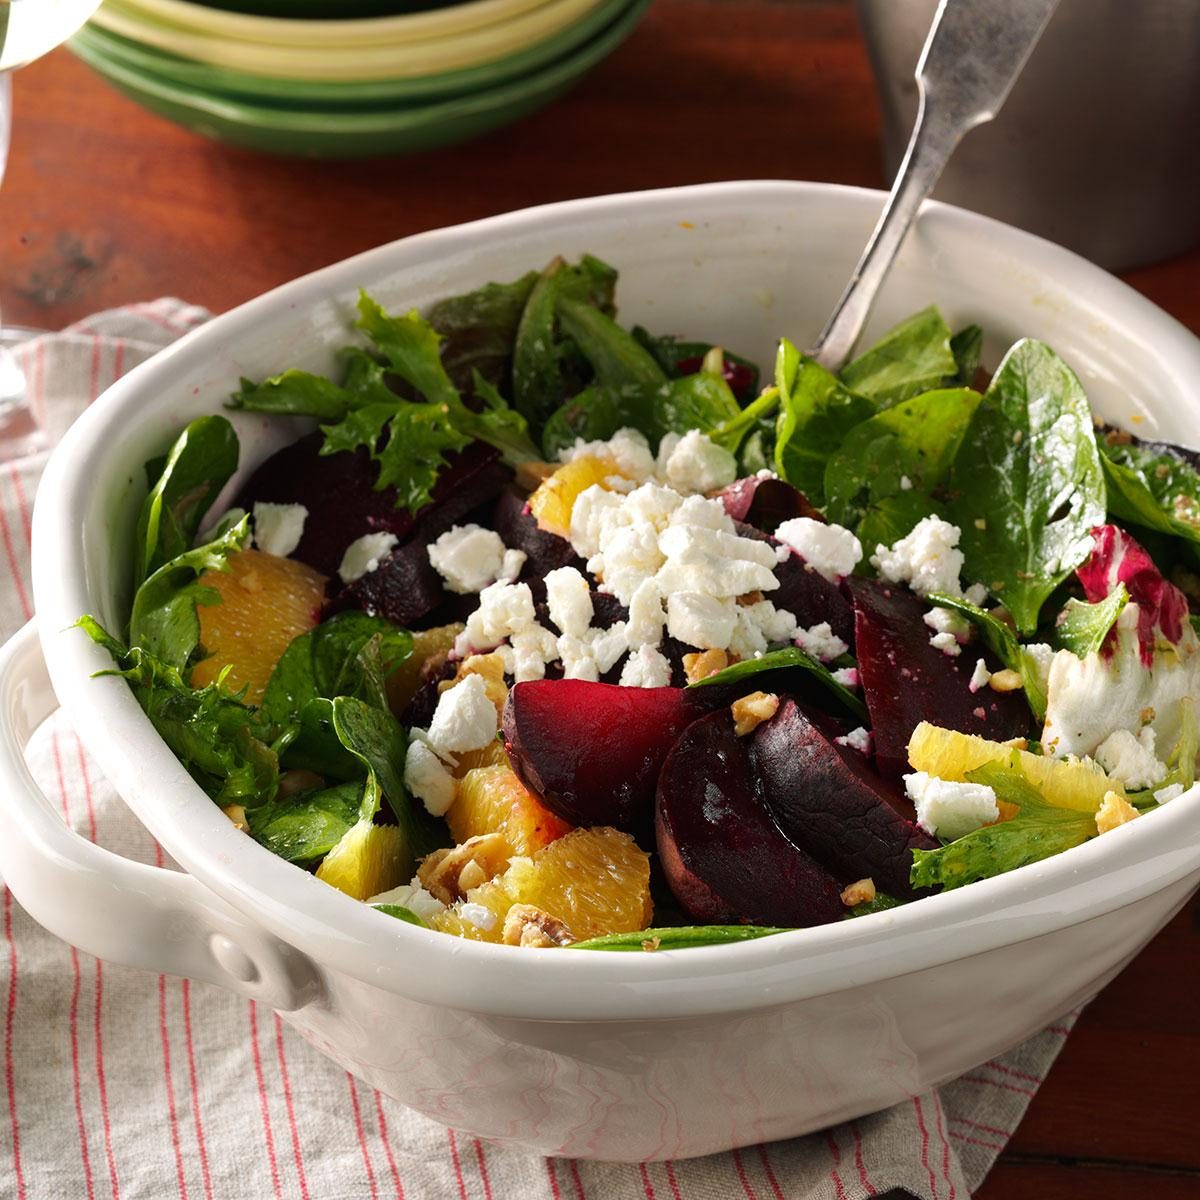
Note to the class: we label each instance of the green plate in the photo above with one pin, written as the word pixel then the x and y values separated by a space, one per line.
pixel 185 73
pixel 324 133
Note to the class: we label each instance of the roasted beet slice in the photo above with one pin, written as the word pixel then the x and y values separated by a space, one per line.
pixel 829 800
pixel 813 598
pixel 723 854
pixel 343 505
pixel 404 588
pixel 519 531
pixel 906 680
pixel 592 751
pixel 766 503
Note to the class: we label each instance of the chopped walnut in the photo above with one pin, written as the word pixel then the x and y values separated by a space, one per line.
pixel 704 663
pixel 1115 810
pixel 1118 437
pixel 651 943
pixel 751 711
pixel 862 892
pixel 237 814
pixel 449 874
pixel 1005 681
pixel 526 925
pixel 751 598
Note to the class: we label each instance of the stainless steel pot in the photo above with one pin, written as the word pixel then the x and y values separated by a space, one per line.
pixel 1097 147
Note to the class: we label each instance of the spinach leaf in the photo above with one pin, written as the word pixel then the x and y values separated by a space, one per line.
pixel 1003 643
pixel 1158 491
pixel 816 412
pixel 881 903
pixel 914 357
pixel 701 401
pixel 304 828
pixel 774 660
pixel 545 364
pixel 222 743
pixel 678 358
pixel 478 330
pixel 200 463
pixel 615 355
pixel 1083 627
pixel 678 937
pixel 906 450
pixel 967 347
pixel 1038 831
pixel 1029 472
pixel 164 622
pixel 595 414
pixel 400 913
pixel 747 422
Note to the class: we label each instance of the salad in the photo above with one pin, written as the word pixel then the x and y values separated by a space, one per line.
pixel 552 633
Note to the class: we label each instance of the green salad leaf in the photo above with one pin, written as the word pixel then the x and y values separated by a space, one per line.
pixel 400 913
pixel 199 464
pixel 1149 488
pixel 1083 627
pixel 1028 481
pixel 304 828
pixel 678 937
pixel 671 353
pixel 617 358
pixel 916 356
pixel 967 347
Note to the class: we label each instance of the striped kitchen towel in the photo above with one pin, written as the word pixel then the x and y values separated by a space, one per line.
pixel 122 1086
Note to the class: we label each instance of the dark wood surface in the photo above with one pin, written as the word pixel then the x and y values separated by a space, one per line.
pixel 105 204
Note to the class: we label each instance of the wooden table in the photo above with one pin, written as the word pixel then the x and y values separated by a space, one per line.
pixel 105 204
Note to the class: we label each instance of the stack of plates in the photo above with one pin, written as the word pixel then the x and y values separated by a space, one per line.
pixel 300 77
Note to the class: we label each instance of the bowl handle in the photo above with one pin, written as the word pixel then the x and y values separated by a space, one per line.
pixel 121 911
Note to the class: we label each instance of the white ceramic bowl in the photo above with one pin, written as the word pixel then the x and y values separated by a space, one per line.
pixel 617 1056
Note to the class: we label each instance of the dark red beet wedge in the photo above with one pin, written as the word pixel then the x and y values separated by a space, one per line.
pixel 404 588
pixel 906 680
pixel 813 598
pixel 766 503
pixel 723 854
pixel 829 800
pixel 519 531
pixel 592 751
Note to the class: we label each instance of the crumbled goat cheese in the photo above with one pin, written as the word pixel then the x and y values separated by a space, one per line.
pixel 1040 655
pixel 629 556
pixel 512 565
pixel 700 620
pixel 980 677
pixel 976 594
pixel 697 464
pixel 570 601
pixel 760 625
pixel 477 915
pixel 951 630
pixel 592 654
pixel 278 528
pixel 505 610
pixel 468 558
pixel 646 667
pixel 594 510
pixel 857 739
pixel 531 649
pixel 1171 792
pixel 364 555
pixel 699 559
pixel 927 559
pixel 950 810
pixel 820 642
pixel 426 776
pixel 465 719
pixel 646 615
pixel 577 659
pixel 829 550
pixel 1131 759
pixel 413 897
pixel 627 448
pixel 846 676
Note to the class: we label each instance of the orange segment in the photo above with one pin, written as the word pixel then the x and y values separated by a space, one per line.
pixel 404 681
pixel 369 859
pixel 595 881
pixel 552 503
pixel 491 799
pixel 266 603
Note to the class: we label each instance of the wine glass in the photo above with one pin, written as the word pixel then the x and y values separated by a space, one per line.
pixel 28 29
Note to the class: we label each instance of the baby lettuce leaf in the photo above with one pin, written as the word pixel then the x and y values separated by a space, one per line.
pixel 677 937
pixel 816 412
pixel 1029 473
pixel 400 913
pixel 164 622
pixel 594 414
pixel 916 356
pixel 375 738
pixel 1002 642
pixel 304 828
pixel 675 356
pixel 223 744
pixel 775 660
pixel 1152 489
pixel 200 463
pixel 967 347
pixel 747 422
pixel 1082 628
pixel 617 358
pixel 1038 831
pixel 913 443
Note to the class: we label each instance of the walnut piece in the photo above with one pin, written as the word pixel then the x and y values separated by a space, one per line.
pixel 526 925
pixel 704 663
pixel 1115 810
pixel 751 711
pixel 862 892
pixel 1005 681
pixel 449 874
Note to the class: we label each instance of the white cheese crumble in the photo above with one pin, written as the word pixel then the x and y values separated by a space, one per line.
pixel 570 601
pixel 465 719
pixel 706 622
pixel 857 739
pixel 364 555
pixel 478 915
pixel 426 776
pixel 1131 759
pixel 950 810
pixel 695 463
pixel 505 610
pixel 829 550
pixel 469 557
pixel 627 448
pixel 846 676
pixel 413 897
pixel 646 667
pixel 760 625
pixel 278 528
pixel 820 642
pixel 981 676
pixel 646 615
pixel 927 559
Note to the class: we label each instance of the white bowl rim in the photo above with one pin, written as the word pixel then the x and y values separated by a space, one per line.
pixel 340 934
